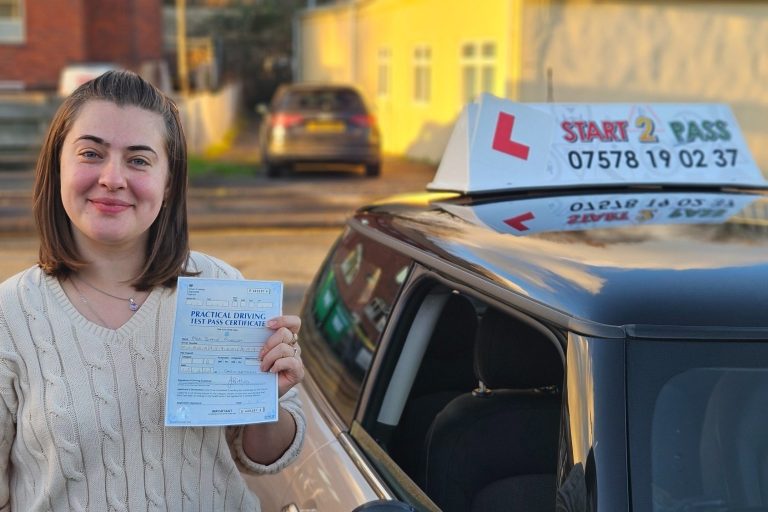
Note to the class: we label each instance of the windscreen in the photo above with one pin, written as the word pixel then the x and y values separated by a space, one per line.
pixel 324 100
pixel 698 425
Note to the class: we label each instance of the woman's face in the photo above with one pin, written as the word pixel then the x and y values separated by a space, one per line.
pixel 114 174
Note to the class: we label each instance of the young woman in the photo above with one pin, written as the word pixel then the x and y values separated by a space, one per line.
pixel 85 334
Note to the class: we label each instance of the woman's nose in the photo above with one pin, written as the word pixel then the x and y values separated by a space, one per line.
pixel 112 175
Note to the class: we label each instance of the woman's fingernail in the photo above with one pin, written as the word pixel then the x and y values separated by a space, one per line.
pixel 271 323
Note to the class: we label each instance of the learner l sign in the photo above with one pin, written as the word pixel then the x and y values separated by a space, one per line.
pixel 500 145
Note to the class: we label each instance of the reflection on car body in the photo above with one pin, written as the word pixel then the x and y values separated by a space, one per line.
pixel 600 347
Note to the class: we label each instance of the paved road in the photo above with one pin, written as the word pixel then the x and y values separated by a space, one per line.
pixel 308 198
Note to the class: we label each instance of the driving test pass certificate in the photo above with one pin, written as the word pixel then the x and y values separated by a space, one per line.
pixel 214 377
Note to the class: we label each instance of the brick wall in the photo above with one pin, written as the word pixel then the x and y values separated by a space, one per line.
pixel 59 32
pixel 54 36
pixel 125 31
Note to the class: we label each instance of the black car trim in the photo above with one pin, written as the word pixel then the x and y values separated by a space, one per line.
pixel 491 196
pixel 474 281
pixel 676 332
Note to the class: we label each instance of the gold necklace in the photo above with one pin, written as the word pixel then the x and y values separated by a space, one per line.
pixel 132 304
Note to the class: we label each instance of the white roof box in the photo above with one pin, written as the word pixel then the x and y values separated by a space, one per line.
pixel 498 144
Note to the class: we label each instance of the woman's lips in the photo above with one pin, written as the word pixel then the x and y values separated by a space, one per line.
pixel 109 205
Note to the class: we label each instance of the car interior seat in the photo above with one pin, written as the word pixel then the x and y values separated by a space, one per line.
pixel 446 372
pixel 495 448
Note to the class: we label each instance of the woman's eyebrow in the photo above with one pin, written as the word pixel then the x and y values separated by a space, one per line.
pixel 102 142
pixel 97 140
pixel 140 147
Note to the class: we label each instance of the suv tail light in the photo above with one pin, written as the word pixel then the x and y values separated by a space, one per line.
pixel 365 120
pixel 286 120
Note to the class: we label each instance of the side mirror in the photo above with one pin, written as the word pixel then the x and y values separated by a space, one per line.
pixel 262 109
pixel 384 506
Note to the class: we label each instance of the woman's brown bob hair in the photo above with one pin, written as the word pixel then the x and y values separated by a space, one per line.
pixel 168 247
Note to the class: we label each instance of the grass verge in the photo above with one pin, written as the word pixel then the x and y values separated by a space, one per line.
pixel 203 166
pixel 216 161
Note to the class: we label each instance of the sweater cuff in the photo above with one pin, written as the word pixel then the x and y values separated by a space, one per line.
pixel 290 403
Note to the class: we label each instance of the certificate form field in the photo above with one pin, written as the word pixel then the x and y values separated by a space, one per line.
pixel 214 374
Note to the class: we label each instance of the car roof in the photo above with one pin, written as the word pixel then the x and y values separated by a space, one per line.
pixel 701 277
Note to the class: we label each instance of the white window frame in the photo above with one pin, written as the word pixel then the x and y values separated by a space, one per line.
pixel 481 65
pixel 422 73
pixel 384 70
pixel 12 28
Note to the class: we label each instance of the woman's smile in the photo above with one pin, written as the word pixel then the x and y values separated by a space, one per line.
pixel 110 206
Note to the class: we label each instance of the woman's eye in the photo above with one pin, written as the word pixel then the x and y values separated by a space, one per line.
pixel 89 154
pixel 139 161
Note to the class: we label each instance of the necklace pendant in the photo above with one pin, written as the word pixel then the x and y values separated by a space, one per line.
pixel 132 304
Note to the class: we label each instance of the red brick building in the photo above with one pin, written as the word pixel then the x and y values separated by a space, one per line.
pixel 38 38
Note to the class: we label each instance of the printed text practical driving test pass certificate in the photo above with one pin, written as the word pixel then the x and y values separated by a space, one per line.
pixel 214 377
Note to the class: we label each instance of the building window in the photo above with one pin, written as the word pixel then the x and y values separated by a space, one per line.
pixel 478 69
pixel 422 63
pixel 384 70
pixel 11 21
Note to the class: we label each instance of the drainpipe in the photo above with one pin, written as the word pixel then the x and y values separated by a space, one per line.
pixel 297 49
pixel 181 47
pixel 353 40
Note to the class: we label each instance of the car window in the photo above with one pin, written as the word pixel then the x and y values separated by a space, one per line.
pixel 332 100
pixel 345 314
pixel 697 424
pixel 433 409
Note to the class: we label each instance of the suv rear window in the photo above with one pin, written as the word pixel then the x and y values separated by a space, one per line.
pixel 335 100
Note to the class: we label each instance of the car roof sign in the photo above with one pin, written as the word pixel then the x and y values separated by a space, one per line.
pixel 498 144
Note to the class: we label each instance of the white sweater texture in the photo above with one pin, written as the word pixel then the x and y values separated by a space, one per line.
pixel 82 411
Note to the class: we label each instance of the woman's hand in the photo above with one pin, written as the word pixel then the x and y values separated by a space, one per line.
pixel 281 353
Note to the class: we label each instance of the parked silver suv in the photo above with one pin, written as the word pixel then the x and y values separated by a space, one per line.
pixel 318 124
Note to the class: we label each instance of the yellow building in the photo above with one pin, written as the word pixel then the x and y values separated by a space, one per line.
pixel 420 61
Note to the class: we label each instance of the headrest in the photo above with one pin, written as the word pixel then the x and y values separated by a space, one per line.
pixel 512 354
pixel 455 331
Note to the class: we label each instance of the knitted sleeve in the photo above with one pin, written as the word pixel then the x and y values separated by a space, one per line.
pixel 8 408
pixel 291 403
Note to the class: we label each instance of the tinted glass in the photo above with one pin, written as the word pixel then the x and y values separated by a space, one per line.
pixel 346 314
pixel 697 417
pixel 325 100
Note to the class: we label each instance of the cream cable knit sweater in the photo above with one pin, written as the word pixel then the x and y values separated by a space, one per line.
pixel 81 416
